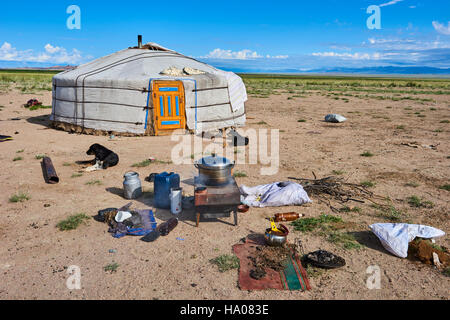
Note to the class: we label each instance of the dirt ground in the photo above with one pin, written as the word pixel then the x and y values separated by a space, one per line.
pixel 34 254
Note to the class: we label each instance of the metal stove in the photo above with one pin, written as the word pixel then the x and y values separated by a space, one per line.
pixel 216 201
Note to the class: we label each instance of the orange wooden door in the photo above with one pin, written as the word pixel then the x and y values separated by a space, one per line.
pixel 168 103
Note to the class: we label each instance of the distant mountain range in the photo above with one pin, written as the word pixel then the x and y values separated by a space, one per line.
pixel 357 71
pixel 32 65
pixel 386 70
pixel 338 70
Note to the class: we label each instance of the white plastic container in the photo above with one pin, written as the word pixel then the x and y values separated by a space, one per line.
pixel 176 197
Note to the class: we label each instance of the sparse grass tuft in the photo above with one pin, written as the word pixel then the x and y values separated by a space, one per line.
pixel 313 272
pixel 148 162
pixel 142 164
pixel 445 121
pixel 400 127
pixel 338 172
pixel 412 184
pixel 368 184
pixel 226 262
pixel 301 120
pixel 261 122
pixel 40 156
pixel 367 154
pixel 20 151
pixel 111 267
pixel 17 159
pixel 164 162
pixel 348 209
pixel 388 211
pixel 436 246
pixel 20 197
pixel 391 213
pixel 345 239
pixel 240 174
pixel 416 202
pixel 93 182
pixel 445 187
pixel 72 222
pixel 329 227
pixel 310 224
pixel 37 107
pixel 76 175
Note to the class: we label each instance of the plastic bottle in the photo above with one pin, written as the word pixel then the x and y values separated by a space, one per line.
pixel 176 196
pixel 288 216
pixel 166 227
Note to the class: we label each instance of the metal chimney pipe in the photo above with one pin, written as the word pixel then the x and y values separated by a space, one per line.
pixel 139 41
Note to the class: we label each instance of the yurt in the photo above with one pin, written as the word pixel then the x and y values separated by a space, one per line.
pixel 147 90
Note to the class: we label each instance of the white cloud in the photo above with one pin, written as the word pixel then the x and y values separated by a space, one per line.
pixel 390 3
pixel 51 49
pixel 405 44
pixel 6 46
pixel 441 28
pixel 244 54
pixel 228 54
pixel 352 56
pixel 7 52
pixel 277 57
pixel 52 54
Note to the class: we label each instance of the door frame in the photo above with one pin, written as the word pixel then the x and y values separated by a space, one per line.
pixel 166 100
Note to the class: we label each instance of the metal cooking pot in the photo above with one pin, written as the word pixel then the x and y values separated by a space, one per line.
pixel 214 170
pixel 276 239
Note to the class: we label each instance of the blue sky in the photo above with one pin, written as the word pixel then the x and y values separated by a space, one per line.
pixel 259 35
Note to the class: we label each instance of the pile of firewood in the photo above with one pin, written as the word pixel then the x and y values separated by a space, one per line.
pixel 333 188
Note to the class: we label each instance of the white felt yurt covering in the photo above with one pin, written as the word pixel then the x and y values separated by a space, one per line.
pixel 113 93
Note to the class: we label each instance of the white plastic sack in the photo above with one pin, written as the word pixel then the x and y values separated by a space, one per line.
pixel 274 195
pixel 395 237
pixel 336 118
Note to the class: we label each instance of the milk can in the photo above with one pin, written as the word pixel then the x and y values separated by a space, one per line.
pixel 132 187
pixel 176 195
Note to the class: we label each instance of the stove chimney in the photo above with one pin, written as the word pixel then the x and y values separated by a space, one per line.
pixel 139 41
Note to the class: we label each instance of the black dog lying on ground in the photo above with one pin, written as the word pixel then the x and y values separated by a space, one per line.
pixel 106 156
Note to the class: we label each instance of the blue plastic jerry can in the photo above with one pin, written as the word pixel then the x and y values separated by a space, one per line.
pixel 162 185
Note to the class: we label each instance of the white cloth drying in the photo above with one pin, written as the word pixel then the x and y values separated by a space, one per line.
pixel 274 195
